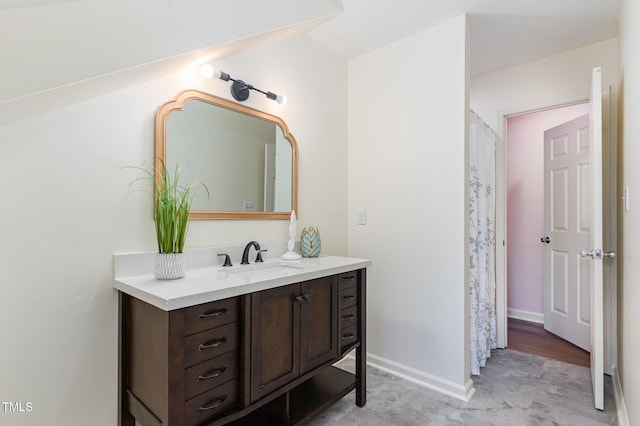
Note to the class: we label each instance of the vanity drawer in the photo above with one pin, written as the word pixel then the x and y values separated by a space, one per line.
pixel 348 317
pixel 209 374
pixel 348 297
pixel 209 315
pixel 211 343
pixel 211 404
pixel 348 279
pixel 348 336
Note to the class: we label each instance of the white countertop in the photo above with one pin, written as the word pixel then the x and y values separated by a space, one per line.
pixel 209 283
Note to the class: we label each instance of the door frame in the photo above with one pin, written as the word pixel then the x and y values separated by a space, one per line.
pixel 610 217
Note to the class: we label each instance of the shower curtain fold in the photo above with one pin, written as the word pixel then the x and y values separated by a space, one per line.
pixel 482 282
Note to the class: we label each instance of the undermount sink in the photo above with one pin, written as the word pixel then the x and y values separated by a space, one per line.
pixel 266 270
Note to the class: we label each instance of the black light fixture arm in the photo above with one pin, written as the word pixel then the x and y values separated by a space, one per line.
pixel 224 76
pixel 239 89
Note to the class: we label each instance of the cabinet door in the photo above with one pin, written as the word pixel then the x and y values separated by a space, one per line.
pixel 275 339
pixel 318 319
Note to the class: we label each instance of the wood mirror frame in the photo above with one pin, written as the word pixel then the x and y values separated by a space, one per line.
pixel 178 104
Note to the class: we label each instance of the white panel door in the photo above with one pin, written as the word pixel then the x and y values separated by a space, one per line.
pixel 594 251
pixel 574 291
pixel 567 231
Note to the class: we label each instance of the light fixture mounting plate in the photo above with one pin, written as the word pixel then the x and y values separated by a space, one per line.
pixel 240 91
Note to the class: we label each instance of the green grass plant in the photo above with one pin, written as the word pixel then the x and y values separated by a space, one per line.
pixel 172 204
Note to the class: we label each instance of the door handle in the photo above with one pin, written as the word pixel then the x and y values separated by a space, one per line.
pixel 545 240
pixel 598 254
pixel 590 253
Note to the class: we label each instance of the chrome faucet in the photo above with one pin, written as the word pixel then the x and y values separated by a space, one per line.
pixel 245 253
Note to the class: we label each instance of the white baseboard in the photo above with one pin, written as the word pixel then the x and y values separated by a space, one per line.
pixel 621 408
pixel 525 315
pixel 464 393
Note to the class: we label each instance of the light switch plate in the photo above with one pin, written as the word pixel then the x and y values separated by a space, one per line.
pixel 362 217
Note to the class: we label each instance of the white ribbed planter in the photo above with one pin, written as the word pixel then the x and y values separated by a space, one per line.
pixel 170 266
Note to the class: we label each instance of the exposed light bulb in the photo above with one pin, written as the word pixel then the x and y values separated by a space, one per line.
pixel 281 100
pixel 207 71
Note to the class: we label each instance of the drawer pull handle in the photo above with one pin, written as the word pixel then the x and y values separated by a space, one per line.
pixel 213 374
pixel 213 314
pixel 212 344
pixel 348 318
pixel 214 404
pixel 350 278
pixel 348 336
pixel 348 297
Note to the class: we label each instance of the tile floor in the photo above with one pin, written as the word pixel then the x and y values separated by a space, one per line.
pixel 513 389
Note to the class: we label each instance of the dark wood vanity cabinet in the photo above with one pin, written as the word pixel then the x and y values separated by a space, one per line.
pixel 180 367
pixel 260 358
pixel 349 311
pixel 293 330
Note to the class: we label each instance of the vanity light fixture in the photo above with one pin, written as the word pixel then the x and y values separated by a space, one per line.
pixel 239 89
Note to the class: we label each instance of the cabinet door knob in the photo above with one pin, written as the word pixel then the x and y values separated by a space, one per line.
pixel 302 298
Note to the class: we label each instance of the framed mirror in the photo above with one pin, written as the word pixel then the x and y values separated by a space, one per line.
pixel 247 158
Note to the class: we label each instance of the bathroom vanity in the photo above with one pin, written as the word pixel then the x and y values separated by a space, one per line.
pixel 245 345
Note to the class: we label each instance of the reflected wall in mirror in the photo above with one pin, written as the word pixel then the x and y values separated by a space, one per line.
pixel 247 158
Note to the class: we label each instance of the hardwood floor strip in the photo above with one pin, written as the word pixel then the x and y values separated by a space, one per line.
pixel 532 338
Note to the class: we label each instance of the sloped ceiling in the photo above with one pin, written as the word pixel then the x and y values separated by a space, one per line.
pixel 59 51
pixel 503 32
pixel 48 44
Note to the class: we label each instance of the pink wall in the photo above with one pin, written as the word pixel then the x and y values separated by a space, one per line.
pixel 525 204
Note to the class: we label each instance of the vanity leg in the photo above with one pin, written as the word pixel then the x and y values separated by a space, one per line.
pixel 124 417
pixel 361 351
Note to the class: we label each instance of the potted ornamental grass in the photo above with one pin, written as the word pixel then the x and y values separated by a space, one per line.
pixel 172 203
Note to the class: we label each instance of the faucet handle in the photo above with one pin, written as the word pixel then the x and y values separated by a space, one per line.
pixel 227 259
pixel 259 256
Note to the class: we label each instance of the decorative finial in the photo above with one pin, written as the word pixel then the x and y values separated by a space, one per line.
pixel 291 254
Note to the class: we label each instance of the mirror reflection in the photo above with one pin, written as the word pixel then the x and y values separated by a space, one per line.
pixel 247 158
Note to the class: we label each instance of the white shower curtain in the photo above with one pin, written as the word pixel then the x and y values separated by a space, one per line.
pixel 482 142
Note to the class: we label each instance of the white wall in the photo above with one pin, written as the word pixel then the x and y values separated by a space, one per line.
pixel 66 208
pixel 407 121
pixel 551 81
pixel 629 222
